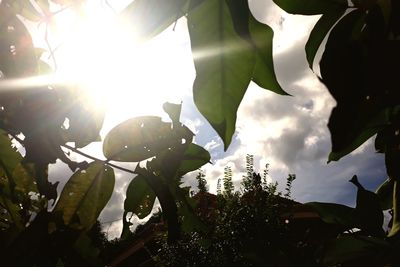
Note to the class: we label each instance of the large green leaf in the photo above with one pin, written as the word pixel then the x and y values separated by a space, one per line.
pixel 320 30
pixel 85 195
pixel 335 213
pixel 150 17
pixel 138 139
pixel 260 37
pixel 310 7
pixel 224 64
pixel 139 197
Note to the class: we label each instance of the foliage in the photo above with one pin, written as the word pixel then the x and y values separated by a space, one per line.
pixel 247 229
pixel 230 48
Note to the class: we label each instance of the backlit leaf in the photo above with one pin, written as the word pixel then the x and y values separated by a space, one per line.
pixel 260 37
pixel 150 17
pixel 224 64
pixel 138 139
pixel 310 7
pixel 139 197
pixel 85 195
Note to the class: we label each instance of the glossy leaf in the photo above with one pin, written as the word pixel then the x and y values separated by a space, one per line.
pixel 138 139
pixel 319 32
pixel 85 195
pixel 150 17
pixel 385 194
pixel 310 7
pixel 224 64
pixel 193 158
pixel 139 197
pixel 260 38
pixel 335 213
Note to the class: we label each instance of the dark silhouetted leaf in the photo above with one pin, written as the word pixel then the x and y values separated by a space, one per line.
pixel 395 230
pixel 224 64
pixel 85 195
pixel 310 7
pixel 320 30
pixel 139 197
pixel 385 194
pixel 368 210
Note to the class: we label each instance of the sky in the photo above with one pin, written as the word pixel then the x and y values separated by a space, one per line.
pixel 287 132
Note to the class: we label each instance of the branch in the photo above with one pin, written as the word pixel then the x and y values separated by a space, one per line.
pixel 73 149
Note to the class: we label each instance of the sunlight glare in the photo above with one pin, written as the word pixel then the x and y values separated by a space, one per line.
pixel 126 76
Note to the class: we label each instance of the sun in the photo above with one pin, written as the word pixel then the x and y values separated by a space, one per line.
pixel 127 76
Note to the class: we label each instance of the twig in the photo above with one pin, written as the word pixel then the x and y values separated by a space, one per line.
pixel 73 149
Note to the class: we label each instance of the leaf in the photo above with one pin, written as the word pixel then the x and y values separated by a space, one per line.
pixel 173 111
pixel 349 248
pixel 194 157
pixel 385 194
pixel 264 74
pixel 150 17
pixel 26 10
pixel 224 64
pixel 139 138
pixel 354 72
pixel 368 210
pixel 9 156
pixel 320 30
pixel 17 56
pixel 85 195
pixel 310 7
pixel 395 230
pixel 139 197
pixel 334 213
pixel 260 37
